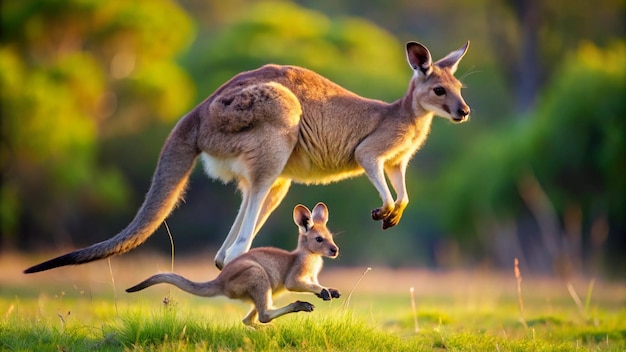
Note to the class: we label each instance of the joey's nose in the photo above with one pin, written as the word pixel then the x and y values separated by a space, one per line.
pixel 333 251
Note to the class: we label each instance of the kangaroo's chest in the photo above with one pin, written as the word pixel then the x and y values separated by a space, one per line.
pixel 408 140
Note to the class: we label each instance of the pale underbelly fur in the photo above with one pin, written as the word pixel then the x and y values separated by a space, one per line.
pixel 229 169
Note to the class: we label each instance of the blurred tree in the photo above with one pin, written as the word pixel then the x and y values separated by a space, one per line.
pixel 284 33
pixel 75 73
pixel 552 188
pixel 531 37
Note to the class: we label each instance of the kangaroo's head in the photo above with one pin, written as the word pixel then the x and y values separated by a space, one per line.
pixel 314 237
pixel 435 87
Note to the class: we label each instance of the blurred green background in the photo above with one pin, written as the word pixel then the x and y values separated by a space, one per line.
pixel 90 90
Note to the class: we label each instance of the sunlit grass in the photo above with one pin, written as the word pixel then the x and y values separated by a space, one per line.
pixel 457 311
pixel 374 323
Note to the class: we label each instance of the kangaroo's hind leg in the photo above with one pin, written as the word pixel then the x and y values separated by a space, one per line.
pixel 266 188
pixel 246 234
pixel 220 257
pixel 260 149
pixel 272 200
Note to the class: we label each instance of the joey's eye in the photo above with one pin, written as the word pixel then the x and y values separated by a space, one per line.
pixel 439 91
pixel 319 239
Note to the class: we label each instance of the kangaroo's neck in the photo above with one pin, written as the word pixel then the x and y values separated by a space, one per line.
pixel 408 107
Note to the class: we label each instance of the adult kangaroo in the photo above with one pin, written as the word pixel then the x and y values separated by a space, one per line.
pixel 277 124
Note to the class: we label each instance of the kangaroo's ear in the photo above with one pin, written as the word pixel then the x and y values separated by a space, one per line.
pixel 320 213
pixel 302 217
pixel 419 58
pixel 451 61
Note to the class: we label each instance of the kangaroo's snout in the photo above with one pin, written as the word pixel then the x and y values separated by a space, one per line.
pixel 333 251
pixel 464 111
pixel 462 114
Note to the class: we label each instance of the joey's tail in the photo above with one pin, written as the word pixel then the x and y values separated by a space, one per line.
pixel 168 185
pixel 205 289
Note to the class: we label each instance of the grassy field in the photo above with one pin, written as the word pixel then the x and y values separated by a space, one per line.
pixel 86 308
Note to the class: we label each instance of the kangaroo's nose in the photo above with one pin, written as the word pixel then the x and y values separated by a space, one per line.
pixel 464 111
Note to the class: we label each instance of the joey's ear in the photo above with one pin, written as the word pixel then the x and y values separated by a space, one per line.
pixel 419 58
pixel 302 217
pixel 320 213
pixel 451 61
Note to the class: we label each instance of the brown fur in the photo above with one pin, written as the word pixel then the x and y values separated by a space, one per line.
pixel 262 273
pixel 268 127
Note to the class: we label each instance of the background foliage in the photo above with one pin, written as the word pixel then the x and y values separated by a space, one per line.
pixel 90 90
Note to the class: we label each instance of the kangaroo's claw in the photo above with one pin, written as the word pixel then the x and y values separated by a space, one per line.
pixel 380 214
pixel 390 221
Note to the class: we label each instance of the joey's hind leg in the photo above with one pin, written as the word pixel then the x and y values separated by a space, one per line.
pixel 261 295
pixel 267 315
pixel 252 318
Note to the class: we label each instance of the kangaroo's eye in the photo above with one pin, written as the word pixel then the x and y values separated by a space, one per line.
pixel 319 239
pixel 439 91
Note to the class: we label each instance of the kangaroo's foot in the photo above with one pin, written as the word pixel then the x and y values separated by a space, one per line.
pixel 219 261
pixel 381 213
pixel 392 219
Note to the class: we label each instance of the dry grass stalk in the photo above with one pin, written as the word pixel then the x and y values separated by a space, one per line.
pixel 113 284
pixel 347 301
pixel 518 277
pixel 417 327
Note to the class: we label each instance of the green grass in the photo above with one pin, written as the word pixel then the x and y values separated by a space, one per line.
pixel 452 316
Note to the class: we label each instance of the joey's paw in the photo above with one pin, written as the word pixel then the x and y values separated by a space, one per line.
pixel 380 214
pixel 334 293
pixel 324 294
pixel 301 306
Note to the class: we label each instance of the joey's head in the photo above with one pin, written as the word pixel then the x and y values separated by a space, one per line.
pixel 314 237
pixel 435 89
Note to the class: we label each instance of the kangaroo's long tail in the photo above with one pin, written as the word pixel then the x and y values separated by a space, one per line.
pixel 205 289
pixel 176 162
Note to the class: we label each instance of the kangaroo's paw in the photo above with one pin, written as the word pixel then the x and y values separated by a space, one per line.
pixel 328 293
pixel 394 217
pixel 324 294
pixel 334 293
pixel 300 306
pixel 391 221
pixel 381 213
